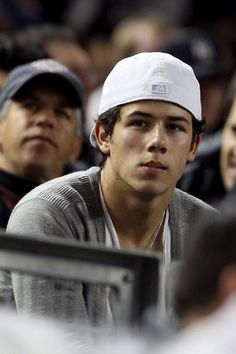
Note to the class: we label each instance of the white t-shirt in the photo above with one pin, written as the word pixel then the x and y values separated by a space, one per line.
pixel 111 240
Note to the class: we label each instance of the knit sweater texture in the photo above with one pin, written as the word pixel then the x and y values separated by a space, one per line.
pixel 70 207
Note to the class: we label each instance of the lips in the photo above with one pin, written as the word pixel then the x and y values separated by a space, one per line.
pixel 154 165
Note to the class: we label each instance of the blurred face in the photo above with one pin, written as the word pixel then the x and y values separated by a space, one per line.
pixel 38 134
pixel 149 147
pixel 212 97
pixel 228 149
pixel 76 59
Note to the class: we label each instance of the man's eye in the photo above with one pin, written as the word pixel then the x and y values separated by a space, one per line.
pixel 30 106
pixel 139 123
pixel 62 114
pixel 174 127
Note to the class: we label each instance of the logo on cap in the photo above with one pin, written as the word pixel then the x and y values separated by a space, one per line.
pixel 48 65
pixel 159 88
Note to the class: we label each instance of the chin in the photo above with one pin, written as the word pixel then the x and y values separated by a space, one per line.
pixel 148 192
pixel 37 165
pixel 37 169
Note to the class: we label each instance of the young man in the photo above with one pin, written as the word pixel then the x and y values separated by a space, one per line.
pixel 40 110
pixel 148 128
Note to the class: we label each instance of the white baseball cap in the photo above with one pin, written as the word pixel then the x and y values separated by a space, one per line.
pixel 151 76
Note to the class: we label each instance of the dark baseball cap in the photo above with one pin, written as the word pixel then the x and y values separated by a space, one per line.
pixel 23 74
pixel 200 49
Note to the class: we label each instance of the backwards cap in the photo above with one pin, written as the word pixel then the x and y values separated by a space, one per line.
pixel 151 76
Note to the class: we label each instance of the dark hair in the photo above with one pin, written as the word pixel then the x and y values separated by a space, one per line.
pixel 110 117
pixel 38 35
pixel 213 248
pixel 108 120
pixel 13 54
pixel 29 44
pixel 32 41
pixel 198 127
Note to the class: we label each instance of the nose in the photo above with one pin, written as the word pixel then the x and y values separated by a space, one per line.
pixel 157 140
pixel 45 118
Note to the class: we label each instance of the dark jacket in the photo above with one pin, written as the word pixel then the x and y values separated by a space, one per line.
pixel 202 178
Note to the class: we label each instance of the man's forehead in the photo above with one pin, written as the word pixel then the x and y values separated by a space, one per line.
pixel 154 107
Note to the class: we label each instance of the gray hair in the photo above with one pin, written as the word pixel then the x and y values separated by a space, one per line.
pixel 4 108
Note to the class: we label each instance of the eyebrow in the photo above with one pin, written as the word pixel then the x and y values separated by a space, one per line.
pixel 63 103
pixel 179 119
pixel 169 117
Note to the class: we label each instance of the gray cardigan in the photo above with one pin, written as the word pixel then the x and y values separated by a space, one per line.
pixel 70 206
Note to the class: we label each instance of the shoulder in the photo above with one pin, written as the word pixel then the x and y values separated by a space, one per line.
pixel 66 189
pixel 186 212
pixel 189 204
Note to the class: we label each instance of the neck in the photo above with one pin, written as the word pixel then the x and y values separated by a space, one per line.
pixel 33 173
pixel 135 219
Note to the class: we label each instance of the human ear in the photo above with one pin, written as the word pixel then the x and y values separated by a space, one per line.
pixel 194 147
pixel 103 139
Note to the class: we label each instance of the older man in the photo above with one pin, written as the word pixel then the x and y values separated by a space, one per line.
pixel 40 128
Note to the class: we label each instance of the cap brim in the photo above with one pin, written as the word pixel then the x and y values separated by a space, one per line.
pixel 29 78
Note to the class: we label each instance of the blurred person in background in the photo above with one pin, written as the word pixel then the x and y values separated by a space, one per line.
pixel 12 54
pixel 212 177
pixel 40 128
pixel 204 298
pixel 212 63
pixel 28 335
pixel 8 60
pixel 18 14
pixel 205 293
pixel 94 22
pixel 142 33
pixel 211 261
pixel 60 43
